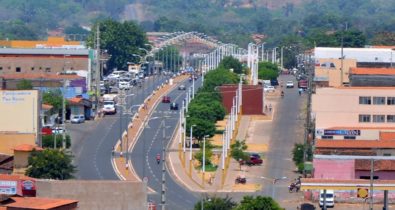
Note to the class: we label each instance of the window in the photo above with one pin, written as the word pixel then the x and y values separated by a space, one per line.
pixel 18 69
pixel 387 154
pixel 32 68
pixel 379 100
pixel 47 69
pixel 365 100
pixel 326 137
pixel 390 100
pixel 1 68
pixel 349 137
pixel 390 118
pixel 368 177
pixel 364 118
pixel 378 118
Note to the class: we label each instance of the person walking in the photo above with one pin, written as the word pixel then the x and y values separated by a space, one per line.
pixel 270 107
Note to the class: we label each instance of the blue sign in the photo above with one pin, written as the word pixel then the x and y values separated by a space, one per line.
pixel 342 132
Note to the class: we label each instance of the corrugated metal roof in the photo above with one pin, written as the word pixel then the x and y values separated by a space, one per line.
pixel 370 55
pixel 46 51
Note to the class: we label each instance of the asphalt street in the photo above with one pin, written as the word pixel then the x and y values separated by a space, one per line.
pixel 287 129
pixel 92 141
pixel 151 143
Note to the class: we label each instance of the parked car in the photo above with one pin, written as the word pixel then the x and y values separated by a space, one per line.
pixel 329 200
pixel 78 119
pixel 269 88
pixel 173 106
pixel 181 87
pixel 253 160
pixel 166 99
pixel 57 130
pixel 290 84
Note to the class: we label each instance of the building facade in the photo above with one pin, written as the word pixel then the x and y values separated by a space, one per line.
pixel 353 112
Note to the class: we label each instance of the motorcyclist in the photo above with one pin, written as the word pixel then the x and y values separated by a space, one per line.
pixel 158 158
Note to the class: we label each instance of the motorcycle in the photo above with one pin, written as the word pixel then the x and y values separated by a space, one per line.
pixel 240 180
pixel 293 187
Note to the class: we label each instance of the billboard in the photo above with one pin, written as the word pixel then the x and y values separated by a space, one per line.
pixel 19 111
pixel 322 132
pixel 8 187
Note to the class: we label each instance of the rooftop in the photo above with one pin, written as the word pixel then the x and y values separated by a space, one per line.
pixel 43 51
pixel 379 165
pixel 360 144
pixel 38 203
pixel 373 71
pixel 27 148
pixel 41 76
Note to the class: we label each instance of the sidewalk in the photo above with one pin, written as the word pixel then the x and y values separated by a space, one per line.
pixel 125 171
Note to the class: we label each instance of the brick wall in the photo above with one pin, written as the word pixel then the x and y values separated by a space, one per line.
pixel 252 98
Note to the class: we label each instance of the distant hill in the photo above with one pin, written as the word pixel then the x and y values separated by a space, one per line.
pixel 230 20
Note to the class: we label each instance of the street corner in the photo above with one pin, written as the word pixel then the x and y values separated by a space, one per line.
pixel 257 148
pixel 247 187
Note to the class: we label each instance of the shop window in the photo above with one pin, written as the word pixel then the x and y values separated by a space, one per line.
pixel 365 100
pixel 379 100
pixel 390 100
pixel 18 69
pixel 364 118
pixel 379 118
pixel 391 118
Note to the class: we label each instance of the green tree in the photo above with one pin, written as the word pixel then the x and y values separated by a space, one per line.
pixel 50 164
pixel 121 40
pixel 216 203
pixel 258 203
pixel 351 38
pixel 384 38
pixel 48 141
pixel 297 155
pixel 230 62
pixel 54 98
pixel 24 85
pixel 267 71
pixel 238 151
pixel 203 127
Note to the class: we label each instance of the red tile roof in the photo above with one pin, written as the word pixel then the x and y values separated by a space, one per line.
pixel 373 71
pixel 43 76
pixel 27 148
pixel 379 165
pixel 46 106
pixel 365 144
pixel 75 100
pixel 15 177
pixel 386 136
pixel 39 203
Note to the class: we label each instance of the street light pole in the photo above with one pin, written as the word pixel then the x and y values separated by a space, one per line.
pixel 163 201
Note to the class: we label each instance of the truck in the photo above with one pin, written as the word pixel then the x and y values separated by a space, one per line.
pixel 109 101
pixel 303 84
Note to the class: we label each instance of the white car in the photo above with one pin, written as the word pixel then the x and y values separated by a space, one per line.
pixel 78 119
pixel 329 200
pixel 269 88
pixel 290 84
pixel 124 85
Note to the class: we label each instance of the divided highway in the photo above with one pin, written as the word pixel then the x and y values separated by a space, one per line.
pixel 150 143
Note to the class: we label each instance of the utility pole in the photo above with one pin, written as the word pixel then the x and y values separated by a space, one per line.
pixel 371 184
pixel 64 114
pixel 97 70
pixel 163 201
pixel 308 121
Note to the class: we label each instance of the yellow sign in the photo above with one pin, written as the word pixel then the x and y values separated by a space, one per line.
pixel 362 192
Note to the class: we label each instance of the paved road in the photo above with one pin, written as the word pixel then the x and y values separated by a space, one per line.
pixel 150 143
pixel 92 141
pixel 286 131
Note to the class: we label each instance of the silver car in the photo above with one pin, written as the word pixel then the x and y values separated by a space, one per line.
pixel 78 119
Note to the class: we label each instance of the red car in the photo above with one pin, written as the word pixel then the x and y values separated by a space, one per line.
pixel 252 161
pixel 166 99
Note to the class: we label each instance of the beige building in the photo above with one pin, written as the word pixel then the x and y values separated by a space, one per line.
pixel 328 71
pixel 19 121
pixel 362 113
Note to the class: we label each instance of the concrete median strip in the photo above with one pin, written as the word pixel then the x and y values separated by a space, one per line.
pixel 125 171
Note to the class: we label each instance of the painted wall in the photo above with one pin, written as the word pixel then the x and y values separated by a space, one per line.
pixel 339 107
pixel 384 175
pixel 252 97
pixel 333 169
pixel 334 74
pixel 8 141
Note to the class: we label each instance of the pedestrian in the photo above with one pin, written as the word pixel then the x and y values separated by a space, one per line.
pixel 266 108
pixel 270 107
pixel 145 106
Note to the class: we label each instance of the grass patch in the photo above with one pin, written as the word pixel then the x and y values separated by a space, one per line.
pixel 209 168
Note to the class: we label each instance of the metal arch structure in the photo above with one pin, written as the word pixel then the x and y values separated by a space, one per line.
pixel 207 61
